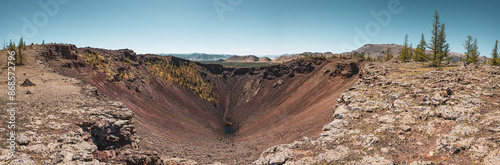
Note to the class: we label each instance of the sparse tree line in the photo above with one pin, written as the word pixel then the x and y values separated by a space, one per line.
pixel 20 58
pixel 439 49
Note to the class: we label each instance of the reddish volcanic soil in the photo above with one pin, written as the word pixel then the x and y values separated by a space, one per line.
pixel 192 128
pixel 267 105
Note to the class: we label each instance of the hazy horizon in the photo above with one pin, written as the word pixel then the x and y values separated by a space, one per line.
pixel 243 27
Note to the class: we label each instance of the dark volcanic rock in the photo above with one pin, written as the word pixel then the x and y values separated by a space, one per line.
pixel 64 51
pixel 114 132
pixel 27 83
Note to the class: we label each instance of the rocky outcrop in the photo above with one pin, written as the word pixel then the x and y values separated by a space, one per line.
pixel 59 51
pixel 404 113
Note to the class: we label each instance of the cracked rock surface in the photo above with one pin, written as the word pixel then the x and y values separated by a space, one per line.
pixel 406 113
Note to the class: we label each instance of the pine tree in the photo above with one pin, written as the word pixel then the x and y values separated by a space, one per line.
pixel 388 54
pixel 404 55
pixel 475 49
pixel 494 54
pixel 410 51
pixel 12 46
pixel 444 46
pixel 20 59
pixel 420 55
pixel 472 53
pixel 438 42
pixel 21 44
pixel 468 49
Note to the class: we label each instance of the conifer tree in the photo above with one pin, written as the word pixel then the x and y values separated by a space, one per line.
pixel 494 55
pixel 438 42
pixel 410 51
pixel 12 46
pixel 468 49
pixel 404 55
pixel 420 55
pixel 476 51
pixel 20 57
pixel 388 54
pixel 472 53
pixel 21 43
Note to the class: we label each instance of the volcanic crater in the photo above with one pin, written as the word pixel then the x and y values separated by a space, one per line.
pixel 214 113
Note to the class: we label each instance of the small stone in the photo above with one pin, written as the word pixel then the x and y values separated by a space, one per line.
pixel 376 160
pixel 340 152
pixel 421 162
pixel 384 150
pixel 23 140
pixel 405 128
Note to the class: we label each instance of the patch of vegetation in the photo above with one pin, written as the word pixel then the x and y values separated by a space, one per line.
pixel 124 75
pixel 94 60
pixel 127 62
pixel 362 56
pixel 98 63
pixel 186 74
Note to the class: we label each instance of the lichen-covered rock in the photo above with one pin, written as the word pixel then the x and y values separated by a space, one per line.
pixel 23 159
pixel 463 130
pixel 493 157
pixel 421 162
pixel 480 149
pixel 454 112
pixel 23 140
pixel 340 152
pixel 278 154
pixel 340 112
pixel 374 161
pixel 366 140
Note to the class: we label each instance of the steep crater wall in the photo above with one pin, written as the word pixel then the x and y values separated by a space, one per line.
pixel 185 116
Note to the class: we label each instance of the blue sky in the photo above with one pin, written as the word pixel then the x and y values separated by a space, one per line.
pixel 244 27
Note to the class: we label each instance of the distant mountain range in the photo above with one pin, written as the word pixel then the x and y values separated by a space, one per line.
pixel 200 56
pixel 210 57
pixel 370 50
pixel 249 58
